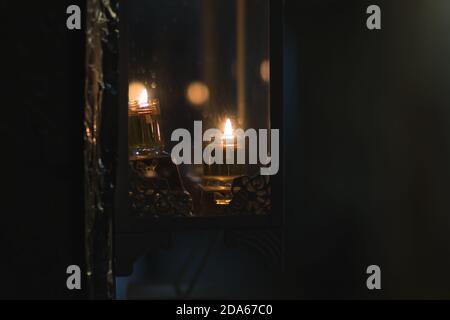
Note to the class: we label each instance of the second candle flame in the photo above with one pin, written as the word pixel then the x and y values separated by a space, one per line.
pixel 228 132
pixel 143 99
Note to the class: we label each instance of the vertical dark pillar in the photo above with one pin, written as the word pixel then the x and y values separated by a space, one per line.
pixel 42 216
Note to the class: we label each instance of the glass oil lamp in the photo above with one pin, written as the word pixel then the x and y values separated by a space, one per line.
pixel 156 178
pixel 230 168
pixel 218 179
pixel 144 125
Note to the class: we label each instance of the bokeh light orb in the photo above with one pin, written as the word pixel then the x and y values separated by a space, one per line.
pixel 197 93
pixel 265 71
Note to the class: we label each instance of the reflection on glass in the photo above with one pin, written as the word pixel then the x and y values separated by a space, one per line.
pixel 197 60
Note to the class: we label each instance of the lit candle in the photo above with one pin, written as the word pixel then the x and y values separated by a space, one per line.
pixel 230 149
pixel 143 99
pixel 144 133
pixel 219 177
pixel 228 138
pixel 228 144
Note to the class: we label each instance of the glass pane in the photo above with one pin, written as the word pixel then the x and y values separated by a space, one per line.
pixel 193 66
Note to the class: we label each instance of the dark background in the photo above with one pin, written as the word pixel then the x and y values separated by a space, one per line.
pixel 41 130
pixel 371 166
pixel 367 149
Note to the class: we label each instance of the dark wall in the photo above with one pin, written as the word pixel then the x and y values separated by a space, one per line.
pixel 368 179
pixel 41 129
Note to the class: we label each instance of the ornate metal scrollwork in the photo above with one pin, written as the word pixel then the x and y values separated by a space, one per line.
pixel 154 196
pixel 251 196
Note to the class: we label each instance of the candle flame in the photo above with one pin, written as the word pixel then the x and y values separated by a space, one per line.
pixel 143 99
pixel 228 132
pixel 134 91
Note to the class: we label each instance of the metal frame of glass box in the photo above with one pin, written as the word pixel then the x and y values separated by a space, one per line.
pixel 135 236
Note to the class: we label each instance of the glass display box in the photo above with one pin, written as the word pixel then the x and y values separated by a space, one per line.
pixel 200 118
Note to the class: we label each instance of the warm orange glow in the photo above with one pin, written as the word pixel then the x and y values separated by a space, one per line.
pixel 221 202
pixel 143 99
pixel 135 90
pixel 228 131
pixel 265 70
pixel 197 93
